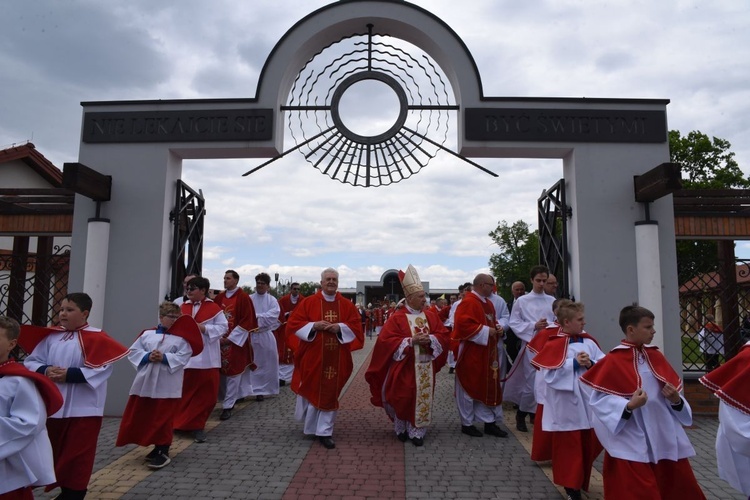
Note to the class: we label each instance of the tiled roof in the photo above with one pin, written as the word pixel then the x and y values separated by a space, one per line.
pixel 28 154
pixel 712 280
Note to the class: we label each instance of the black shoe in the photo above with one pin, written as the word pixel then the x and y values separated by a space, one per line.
pixel 532 416
pixel 200 436
pixel 151 455
pixel 403 436
pixel 68 494
pixel 417 441
pixel 327 441
pixel 282 383
pixel 573 494
pixel 259 398
pixel 226 414
pixel 471 431
pixel 521 421
pixel 492 429
pixel 159 461
pixel 451 370
pixel 241 400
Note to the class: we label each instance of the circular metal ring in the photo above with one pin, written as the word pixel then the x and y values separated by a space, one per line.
pixel 358 77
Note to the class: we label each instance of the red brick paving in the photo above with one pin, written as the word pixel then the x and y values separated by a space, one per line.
pixel 368 461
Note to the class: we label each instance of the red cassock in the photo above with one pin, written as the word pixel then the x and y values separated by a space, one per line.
pixel 286 353
pixel 200 387
pixel 378 316
pixel 239 310
pixel 400 384
pixel 74 439
pixel 477 366
pixel 148 420
pixel 444 313
pixel 323 366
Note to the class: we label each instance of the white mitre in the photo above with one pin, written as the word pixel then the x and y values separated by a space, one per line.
pixel 410 281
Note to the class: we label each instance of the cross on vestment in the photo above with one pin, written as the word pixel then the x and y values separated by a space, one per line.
pixel 331 344
pixel 329 372
pixel 495 369
pixel 331 316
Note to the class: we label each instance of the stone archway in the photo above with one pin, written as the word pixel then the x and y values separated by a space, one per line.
pixel 603 143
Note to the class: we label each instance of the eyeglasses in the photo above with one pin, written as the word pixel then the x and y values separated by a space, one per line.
pixel 192 288
pixel 172 316
pixel 258 283
pixel 295 289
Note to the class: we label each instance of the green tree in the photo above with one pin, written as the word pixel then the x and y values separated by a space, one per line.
pixel 308 288
pixel 518 252
pixel 707 163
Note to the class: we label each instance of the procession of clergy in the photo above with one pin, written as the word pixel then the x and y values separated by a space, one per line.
pixel 579 401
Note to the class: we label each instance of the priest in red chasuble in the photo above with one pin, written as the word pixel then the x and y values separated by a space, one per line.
pixel 411 349
pixel 479 395
pixel 323 330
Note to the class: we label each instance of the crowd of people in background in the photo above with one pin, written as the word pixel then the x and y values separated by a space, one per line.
pixel 532 351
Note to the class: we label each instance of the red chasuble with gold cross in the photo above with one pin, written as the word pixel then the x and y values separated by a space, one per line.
pixel 477 366
pixel 323 365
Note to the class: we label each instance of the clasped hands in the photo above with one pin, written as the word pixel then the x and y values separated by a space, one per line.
pixel 422 339
pixel 584 359
pixel 640 397
pixel 325 326
pixel 156 356
pixel 56 373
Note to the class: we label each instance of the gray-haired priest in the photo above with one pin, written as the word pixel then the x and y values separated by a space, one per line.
pixel 411 349
pixel 328 328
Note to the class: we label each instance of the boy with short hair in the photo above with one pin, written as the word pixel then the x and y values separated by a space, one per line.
pixel 78 358
pixel 562 360
pixel 159 356
pixel 26 398
pixel 639 414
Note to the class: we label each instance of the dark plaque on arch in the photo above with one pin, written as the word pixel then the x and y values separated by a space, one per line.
pixel 565 125
pixel 178 126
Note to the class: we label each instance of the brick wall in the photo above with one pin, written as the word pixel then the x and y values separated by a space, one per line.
pixel 702 401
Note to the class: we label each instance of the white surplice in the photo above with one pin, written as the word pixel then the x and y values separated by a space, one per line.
pixel 265 378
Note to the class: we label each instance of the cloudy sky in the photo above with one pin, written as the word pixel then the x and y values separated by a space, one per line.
pixel 291 219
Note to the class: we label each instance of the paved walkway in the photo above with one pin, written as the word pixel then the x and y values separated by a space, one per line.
pixel 261 453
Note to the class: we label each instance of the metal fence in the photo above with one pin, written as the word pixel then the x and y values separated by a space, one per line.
pixel 715 316
pixel 32 286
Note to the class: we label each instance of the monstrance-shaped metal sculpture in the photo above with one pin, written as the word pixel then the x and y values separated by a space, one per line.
pixel 405 146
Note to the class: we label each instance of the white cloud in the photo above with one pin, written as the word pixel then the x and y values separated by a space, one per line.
pixel 287 217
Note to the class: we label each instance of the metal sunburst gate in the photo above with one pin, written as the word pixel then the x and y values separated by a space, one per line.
pixel 405 147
